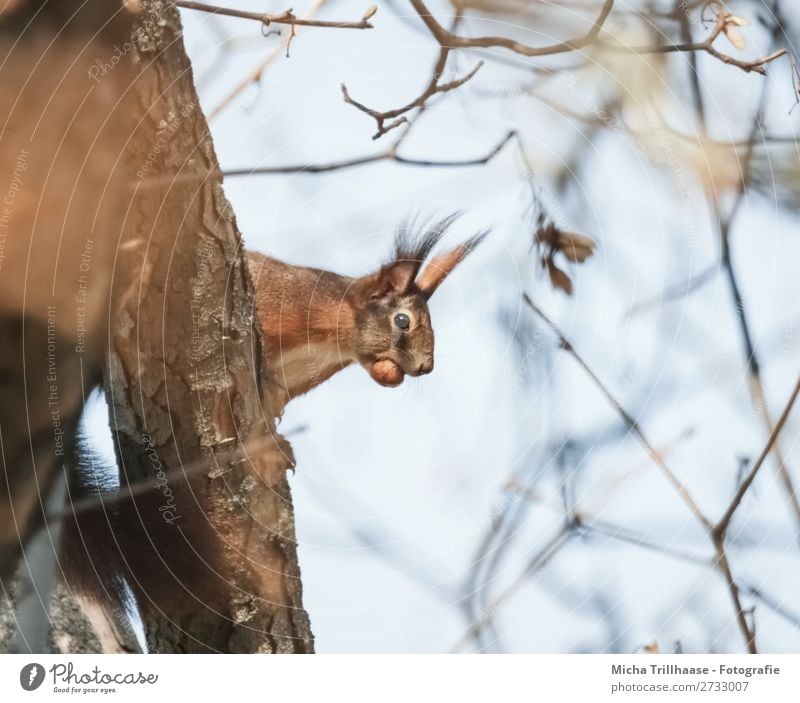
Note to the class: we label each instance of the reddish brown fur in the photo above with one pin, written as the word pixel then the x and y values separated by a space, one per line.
pixel 303 310
pixel 316 322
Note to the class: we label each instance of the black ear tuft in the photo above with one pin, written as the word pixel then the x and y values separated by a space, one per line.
pixel 417 237
pixel 413 244
pixel 476 239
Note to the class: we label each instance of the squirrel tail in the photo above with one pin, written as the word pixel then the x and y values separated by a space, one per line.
pixel 132 547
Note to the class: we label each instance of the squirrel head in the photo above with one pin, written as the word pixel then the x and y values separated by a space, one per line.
pixel 393 334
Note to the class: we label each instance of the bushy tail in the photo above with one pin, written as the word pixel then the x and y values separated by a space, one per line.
pixel 154 543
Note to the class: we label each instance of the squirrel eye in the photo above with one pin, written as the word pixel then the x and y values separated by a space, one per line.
pixel 402 321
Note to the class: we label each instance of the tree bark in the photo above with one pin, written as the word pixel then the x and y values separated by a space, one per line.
pixel 186 380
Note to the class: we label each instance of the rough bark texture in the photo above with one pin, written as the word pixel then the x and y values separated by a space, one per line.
pixel 71 632
pixel 186 380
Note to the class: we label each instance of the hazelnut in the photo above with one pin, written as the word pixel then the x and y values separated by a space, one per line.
pixel 387 373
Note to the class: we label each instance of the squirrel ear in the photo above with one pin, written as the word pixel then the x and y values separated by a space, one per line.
pixel 441 265
pixel 395 277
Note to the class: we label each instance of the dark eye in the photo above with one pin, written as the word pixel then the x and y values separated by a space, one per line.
pixel 402 321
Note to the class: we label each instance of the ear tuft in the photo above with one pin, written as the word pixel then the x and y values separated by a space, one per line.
pixel 417 237
pixel 442 265
pixel 413 244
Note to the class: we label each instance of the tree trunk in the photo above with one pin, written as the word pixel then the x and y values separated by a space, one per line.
pixel 186 380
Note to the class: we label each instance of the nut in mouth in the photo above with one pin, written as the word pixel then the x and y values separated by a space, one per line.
pixel 387 373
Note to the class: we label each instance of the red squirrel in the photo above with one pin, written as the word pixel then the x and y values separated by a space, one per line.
pixel 315 323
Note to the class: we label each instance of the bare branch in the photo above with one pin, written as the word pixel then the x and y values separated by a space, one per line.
pixel 721 26
pixel 255 76
pixel 715 532
pixel 755 66
pixel 285 17
pixel 724 225
pixel 721 527
pixel 748 632
pixel 675 291
pixel 629 421
pixel 389 154
pixel 453 41
pixel 433 88
pixel 539 560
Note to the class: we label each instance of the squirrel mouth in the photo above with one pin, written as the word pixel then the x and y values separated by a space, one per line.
pixel 387 373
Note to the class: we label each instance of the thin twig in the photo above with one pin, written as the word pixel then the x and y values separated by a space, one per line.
pixel 255 76
pixel 755 66
pixel 773 604
pixel 266 18
pixel 724 228
pixel 756 384
pixel 587 522
pixel 748 632
pixel 454 41
pixel 717 532
pixel 539 560
pixel 721 527
pixel 707 45
pixel 675 291
pixel 389 154
pixel 629 421
pixel 572 518
pixel 397 116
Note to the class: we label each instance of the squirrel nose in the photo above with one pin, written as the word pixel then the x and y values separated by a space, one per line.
pixel 426 366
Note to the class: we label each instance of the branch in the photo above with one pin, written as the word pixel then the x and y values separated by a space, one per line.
pixel 539 560
pixel 397 116
pixel 721 527
pixel 707 45
pixel 478 161
pixel 773 604
pixel 719 531
pixel 675 291
pixel 716 534
pixel 285 17
pixel 257 73
pixel 389 154
pixel 748 631
pixel 755 66
pixel 629 421
pixel 453 41
pixel 724 227
pixel 433 88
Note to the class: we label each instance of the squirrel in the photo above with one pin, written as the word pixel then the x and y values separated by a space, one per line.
pixel 315 323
